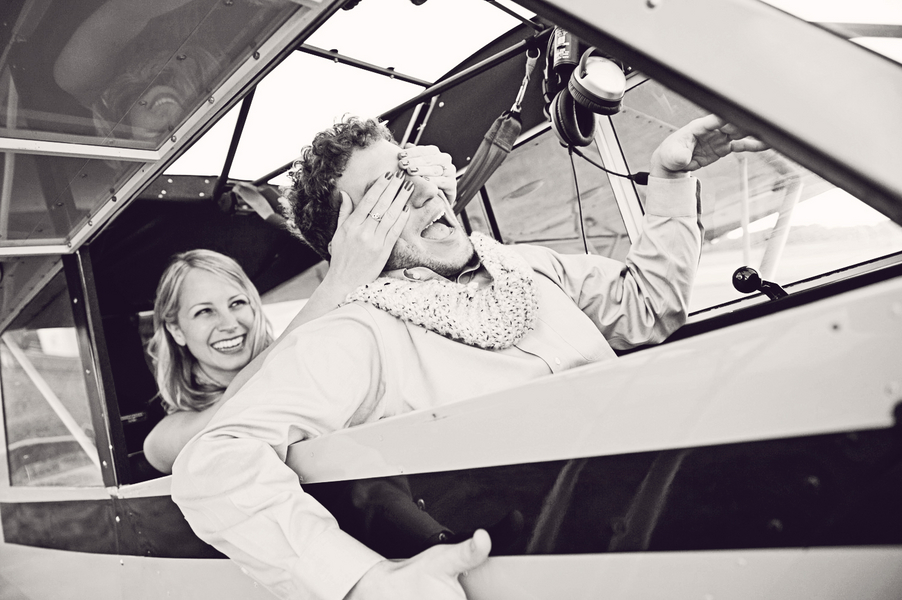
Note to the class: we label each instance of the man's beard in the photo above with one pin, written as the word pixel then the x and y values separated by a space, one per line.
pixel 404 257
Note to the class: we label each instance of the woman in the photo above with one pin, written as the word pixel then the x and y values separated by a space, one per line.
pixel 208 320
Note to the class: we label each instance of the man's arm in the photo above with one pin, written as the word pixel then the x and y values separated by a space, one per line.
pixel 231 481
pixel 646 298
pixel 237 493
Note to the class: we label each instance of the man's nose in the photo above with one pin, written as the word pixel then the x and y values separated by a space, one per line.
pixel 423 190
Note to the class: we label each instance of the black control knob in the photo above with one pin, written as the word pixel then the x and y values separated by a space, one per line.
pixel 747 280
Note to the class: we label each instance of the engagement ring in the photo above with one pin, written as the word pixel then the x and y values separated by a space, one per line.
pixel 376 216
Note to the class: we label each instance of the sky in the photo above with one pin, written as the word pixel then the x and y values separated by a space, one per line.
pixel 288 110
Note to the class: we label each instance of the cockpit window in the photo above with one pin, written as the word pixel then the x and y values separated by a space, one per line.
pixel 49 431
pixel 127 73
pixel 761 210
pixel 533 199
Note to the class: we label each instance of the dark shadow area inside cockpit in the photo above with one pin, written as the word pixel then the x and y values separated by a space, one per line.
pixel 173 215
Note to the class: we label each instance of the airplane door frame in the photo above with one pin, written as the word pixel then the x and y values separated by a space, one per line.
pixel 98 377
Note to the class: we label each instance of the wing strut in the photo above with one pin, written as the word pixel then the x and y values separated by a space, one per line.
pixel 233 146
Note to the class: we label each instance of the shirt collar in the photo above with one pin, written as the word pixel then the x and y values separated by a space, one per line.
pixel 474 271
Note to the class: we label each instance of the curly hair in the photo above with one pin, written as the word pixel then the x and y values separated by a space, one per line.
pixel 182 385
pixel 312 198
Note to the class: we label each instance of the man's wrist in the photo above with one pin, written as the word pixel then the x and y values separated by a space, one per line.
pixel 369 584
pixel 657 169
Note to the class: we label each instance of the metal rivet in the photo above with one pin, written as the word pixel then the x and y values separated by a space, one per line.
pixel 90 223
pixel 211 100
pixel 181 57
pixel 201 194
pixel 117 518
pixel 74 300
pixel 114 198
pixel 172 139
pixel 421 504
pixel 441 105
pixel 256 55
pixel 104 464
pixel 169 180
pixel 163 192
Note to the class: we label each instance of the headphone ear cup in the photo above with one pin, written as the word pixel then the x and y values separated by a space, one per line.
pixel 598 83
pixel 573 124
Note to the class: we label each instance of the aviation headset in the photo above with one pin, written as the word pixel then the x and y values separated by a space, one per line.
pixel 576 89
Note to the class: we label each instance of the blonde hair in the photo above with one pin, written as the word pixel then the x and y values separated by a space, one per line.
pixel 182 384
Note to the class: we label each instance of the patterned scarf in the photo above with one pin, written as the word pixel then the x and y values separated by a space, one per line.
pixel 493 317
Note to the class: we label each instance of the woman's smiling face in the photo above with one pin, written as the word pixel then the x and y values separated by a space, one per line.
pixel 215 321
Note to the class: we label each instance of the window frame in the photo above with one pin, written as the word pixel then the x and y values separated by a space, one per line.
pixel 101 397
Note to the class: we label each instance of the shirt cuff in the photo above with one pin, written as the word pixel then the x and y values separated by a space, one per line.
pixel 672 197
pixel 334 563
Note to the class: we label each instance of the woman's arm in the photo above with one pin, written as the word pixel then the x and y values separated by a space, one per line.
pixel 170 435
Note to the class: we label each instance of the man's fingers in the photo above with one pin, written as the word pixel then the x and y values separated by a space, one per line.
pixel 748 144
pixel 454 559
pixel 706 123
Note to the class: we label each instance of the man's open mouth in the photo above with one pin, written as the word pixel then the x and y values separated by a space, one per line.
pixel 438 229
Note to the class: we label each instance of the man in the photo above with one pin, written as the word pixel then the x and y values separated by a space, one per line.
pixel 445 305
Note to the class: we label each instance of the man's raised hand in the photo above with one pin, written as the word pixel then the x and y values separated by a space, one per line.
pixel 430 575
pixel 698 144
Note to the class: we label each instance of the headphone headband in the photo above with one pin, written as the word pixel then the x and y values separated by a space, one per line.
pixel 594 84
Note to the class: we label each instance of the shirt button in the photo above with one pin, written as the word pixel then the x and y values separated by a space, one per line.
pixel 557 361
